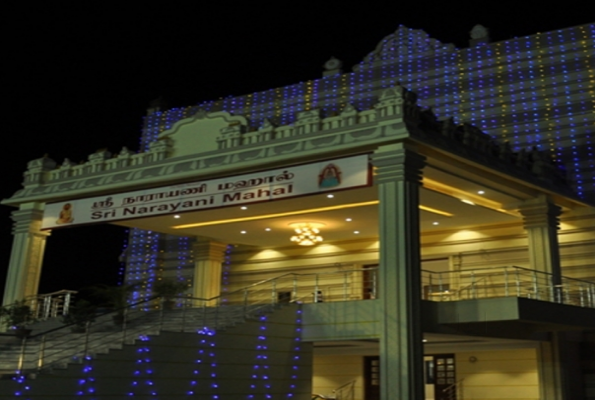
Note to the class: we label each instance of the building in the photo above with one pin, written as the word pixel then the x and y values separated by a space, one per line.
pixel 432 230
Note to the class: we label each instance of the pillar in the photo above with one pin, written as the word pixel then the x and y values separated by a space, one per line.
pixel 208 258
pixel 560 372
pixel 540 218
pixel 398 174
pixel 28 246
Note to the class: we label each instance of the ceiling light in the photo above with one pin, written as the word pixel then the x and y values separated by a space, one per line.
pixel 348 219
pixel 330 196
pixel 306 233
pixel 176 216
pixel 468 202
pixel 268 229
pixel 243 232
pixel 436 223
pixel 243 208
pixel 356 232
pixel 480 192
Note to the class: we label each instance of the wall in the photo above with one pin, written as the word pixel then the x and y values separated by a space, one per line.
pixel 499 375
pixel 331 371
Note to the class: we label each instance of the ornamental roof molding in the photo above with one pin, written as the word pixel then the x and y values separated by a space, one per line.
pixel 404 44
pixel 232 149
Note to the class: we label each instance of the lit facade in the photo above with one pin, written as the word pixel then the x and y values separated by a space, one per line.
pixel 420 255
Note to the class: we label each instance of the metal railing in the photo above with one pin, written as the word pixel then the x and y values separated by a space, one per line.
pixel 50 305
pixel 345 391
pixel 355 284
pixel 59 346
pixel 454 391
pixel 55 348
pixel 509 281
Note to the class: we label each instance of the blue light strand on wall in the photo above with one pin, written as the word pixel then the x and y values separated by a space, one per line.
pixel 498 86
pixel 261 370
pixel 87 383
pixel 143 374
pixel 206 362
pixel 225 272
pixel 297 340
pixel 23 387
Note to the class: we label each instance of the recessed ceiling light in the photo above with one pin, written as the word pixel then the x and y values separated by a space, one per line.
pixel 480 192
pixel 243 208
pixel 356 232
pixel 348 219
pixel 176 216
pixel 330 196
pixel 436 223
pixel 468 202
pixel 243 232
pixel 268 229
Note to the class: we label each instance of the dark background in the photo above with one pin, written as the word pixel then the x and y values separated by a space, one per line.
pixel 78 78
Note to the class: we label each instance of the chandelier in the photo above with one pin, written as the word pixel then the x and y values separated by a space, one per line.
pixel 306 233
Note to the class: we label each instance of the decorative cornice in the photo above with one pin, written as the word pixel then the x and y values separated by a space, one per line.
pixel 394 117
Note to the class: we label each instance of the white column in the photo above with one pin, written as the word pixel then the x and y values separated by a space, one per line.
pixel 540 218
pixel 398 170
pixel 208 257
pixel 28 246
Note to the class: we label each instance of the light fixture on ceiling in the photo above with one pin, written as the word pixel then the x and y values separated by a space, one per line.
pixel 306 233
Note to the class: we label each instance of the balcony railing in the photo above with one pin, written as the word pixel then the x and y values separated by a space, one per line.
pixel 511 281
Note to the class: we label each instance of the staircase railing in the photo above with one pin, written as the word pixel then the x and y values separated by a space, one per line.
pixel 454 391
pixel 345 391
pixel 50 305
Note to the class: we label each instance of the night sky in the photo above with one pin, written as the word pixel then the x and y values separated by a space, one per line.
pixel 79 78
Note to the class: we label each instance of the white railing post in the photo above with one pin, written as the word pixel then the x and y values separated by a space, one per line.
pixel 535 287
pixel 316 290
pixel 506 294
pixel 66 307
pixel 375 283
pixel 474 289
pixel 47 304
pixel 430 287
pixel 518 282
pixel 345 285
pixel 21 361
pixel 274 292
pixel 40 357
pixel 294 290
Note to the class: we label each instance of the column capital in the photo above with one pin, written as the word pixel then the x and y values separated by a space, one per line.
pixel 398 162
pixel 540 212
pixel 205 249
pixel 28 220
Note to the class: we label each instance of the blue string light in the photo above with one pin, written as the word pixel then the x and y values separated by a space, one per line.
pixel 87 383
pixel 143 374
pixel 23 387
